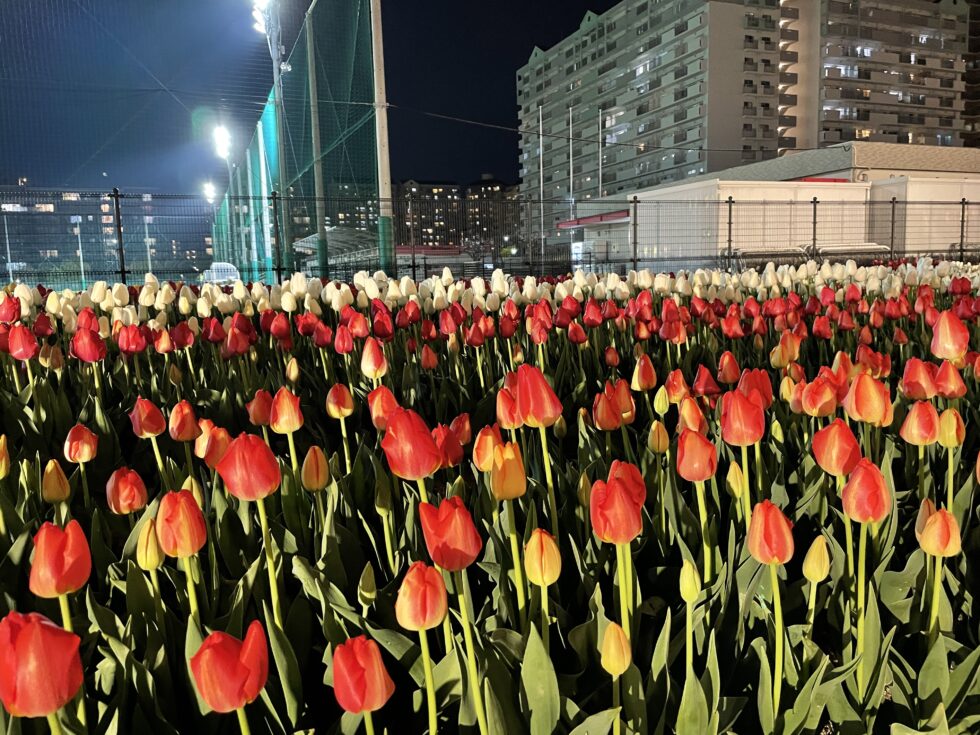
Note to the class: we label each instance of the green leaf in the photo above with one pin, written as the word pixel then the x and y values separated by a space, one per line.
pixel 540 686
pixel 692 717
pixel 933 680
pixel 288 668
pixel 597 724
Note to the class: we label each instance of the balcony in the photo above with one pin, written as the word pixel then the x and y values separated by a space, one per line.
pixel 787 100
pixel 790 13
pixel 788 77
pixel 787 121
pixel 750 66
pixel 789 57
pixel 790 35
pixel 787 142
pixel 750 44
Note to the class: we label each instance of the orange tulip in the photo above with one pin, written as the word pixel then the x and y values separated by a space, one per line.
pixel 770 539
pixel 374 366
pixel 542 558
pixel 147 419
pixel 742 420
pixel 81 445
pixel 340 402
pixel 728 369
pixel 230 673
pixel 605 412
pixel 315 474
pixel 644 374
pixel 507 478
pixel 616 505
pixel 865 497
pixel 836 449
pixel 868 400
pixel 537 404
pixel 181 529
pixel 940 535
pixel 218 442
pixel 249 469
pixel 411 451
pixel 921 425
pixel 285 416
pixel 950 338
pixel 62 561
pixel 183 423
pixel 952 431
pixel 360 680
pixel 676 387
pixel 919 380
pixel 259 408
pixel 381 404
pixel 697 458
pixel 507 414
pixel 690 416
pixel 949 382
pixel 422 601
pixel 819 398
pixel 487 440
pixel 125 492
pixel 450 534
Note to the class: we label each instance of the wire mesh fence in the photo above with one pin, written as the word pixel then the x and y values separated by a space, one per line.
pixel 70 239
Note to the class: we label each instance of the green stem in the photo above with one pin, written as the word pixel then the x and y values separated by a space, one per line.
pixel 758 469
pixel 552 503
pixel 848 534
pixel 191 589
pixel 545 620
pixel 292 453
pixel 343 433
pixel 243 721
pixel 937 591
pixel 476 690
pixel 746 500
pixel 624 605
pixel 689 639
pixel 950 476
pixel 705 541
pixel 159 457
pixel 388 533
pixel 65 613
pixel 515 550
pixel 54 724
pixel 86 495
pixel 922 472
pixel 430 684
pixel 862 555
pixel 778 614
pixel 189 459
pixel 368 724
pixel 811 609
pixel 270 562
pixel 615 691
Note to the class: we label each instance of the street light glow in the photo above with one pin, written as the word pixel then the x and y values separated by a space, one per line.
pixel 210 193
pixel 222 142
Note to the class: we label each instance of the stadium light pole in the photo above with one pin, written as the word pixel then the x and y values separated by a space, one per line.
pixel 265 13
pixel 222 149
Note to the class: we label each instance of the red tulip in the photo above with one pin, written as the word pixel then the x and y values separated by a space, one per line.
pixel 644 374
pixel 770 539
pixel 835 449
pixel 260 408
pixel 616 505
pixel 217 445
pixel 125 491
pixel 676 387
pixel 81 445
pixel 742 420
pixel 230 673
pixel 460 426
pixel 10 309
pixel 360 680
pixel 449 446
pixel 919 380
pixel 429 359
pixel 381 404
pixel 869 401
pixel 62 560
pixel 249 469
pixel 697 458
pixel 286 415
pixel 818 398
pixel 181 529
pixel 40 668
pixel 411 451
pixel 605 412
pixel 507 414
pixel 728 369
pixel 87 345
pixel 756 385
pixel 450 535
pixel 22 343
pixel 183 423
pixel 374 366
pixel 422 602
pixel 147 419
pixel 949 382
pixel 865 497
pixel 940 534
pixel 537 404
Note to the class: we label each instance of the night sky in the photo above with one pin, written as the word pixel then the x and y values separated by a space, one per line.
pixel 99 93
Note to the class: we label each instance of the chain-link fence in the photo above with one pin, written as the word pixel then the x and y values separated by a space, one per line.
pixel 70 239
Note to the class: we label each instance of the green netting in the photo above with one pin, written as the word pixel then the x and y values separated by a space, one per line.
pixel 330 154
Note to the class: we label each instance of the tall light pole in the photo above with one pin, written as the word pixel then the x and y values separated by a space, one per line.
pixel 266 16
pixel 222 149
pixel 386 251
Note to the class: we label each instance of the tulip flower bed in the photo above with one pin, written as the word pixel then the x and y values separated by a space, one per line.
pixel 703 504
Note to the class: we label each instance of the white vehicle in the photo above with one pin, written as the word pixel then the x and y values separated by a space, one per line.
pixel 221 273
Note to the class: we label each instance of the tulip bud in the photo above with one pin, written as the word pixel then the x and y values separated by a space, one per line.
pixel 816 563
pixel 952 432
pixel 926 509
pixel 661 403
pixel 192 485
pixel 542 559
pixel 4 457
pixel 616 654
pixel 367 589
pixel 149 555
pixel 316 471
pixel 174 374
pixel 518 353
pixel 382 499
pixel 54 484
pixel 584 490
pixel 561 427
pixel 690 582
pixel 292 370
pixel 735 480
pixel 941 535
pixel 658 440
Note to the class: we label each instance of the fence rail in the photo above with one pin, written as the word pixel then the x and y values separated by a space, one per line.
pixel 69 238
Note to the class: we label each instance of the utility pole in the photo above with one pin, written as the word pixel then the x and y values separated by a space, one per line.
pixel 6 237
pixel 320 204
pixel 541 180
pixel 385 249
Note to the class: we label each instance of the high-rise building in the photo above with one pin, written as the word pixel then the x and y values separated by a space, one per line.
pixel 429 214
pixel 971 108
pixel 653 91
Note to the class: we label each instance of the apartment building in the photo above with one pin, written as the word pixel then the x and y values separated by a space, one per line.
pixel 654 91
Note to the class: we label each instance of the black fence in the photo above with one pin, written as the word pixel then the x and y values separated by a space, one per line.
pixel 70 239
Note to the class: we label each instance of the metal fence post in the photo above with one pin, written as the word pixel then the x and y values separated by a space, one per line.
pixel 731 203
pixel 962 226
pixel 636 201
pixel 814 246
pixel 411 233
pixel 891 245
pixel 121 249
pixel 277 236
pixel 425 266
